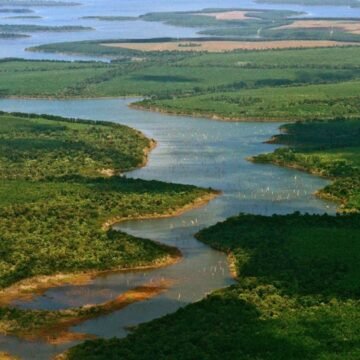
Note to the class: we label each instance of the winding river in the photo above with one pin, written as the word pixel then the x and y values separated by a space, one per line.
pixel 190 150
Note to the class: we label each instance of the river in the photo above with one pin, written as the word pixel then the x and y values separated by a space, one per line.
pixel 190 150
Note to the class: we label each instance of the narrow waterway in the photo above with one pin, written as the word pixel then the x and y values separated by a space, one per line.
pixel 193 151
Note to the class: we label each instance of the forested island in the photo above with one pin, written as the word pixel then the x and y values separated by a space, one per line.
pixel 42 28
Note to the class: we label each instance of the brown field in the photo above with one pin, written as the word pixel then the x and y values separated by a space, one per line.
pixel 224 46
pixel 348 26
pixel 228 15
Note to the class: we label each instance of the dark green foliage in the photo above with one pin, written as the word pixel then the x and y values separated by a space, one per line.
pixel 297 298
pixel 35 147
pixel 54 202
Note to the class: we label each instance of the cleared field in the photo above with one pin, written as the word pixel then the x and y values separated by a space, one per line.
pixel 228 15
pixel 352 27
pixel 224 46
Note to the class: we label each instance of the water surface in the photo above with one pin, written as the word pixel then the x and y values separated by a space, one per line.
pixel 58 16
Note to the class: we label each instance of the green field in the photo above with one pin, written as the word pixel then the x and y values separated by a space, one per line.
pixel 330 149
pixel 289 103
pixel 55 199
pixel 296 298
pixel 266 85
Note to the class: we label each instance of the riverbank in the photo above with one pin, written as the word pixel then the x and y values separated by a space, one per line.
pixel 326 149
pixel 197 203
pixel 210 116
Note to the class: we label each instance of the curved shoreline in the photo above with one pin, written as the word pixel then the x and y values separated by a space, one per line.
pixel 197 203
pixel 208 116
pixel 27 289
pixel 320 194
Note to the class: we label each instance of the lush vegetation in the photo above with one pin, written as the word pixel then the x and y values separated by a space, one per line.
pixel 330 149
pixel 296 297
pixel 34 147
pixel 55 200
pixel 266 85
pixel 279 103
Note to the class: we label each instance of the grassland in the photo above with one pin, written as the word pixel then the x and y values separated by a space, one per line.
pixel 288 103
pixel 296 297
pixel 268 85
pixel 330 149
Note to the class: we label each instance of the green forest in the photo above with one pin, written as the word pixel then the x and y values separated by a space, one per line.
pixel 55 198
pixel 296 297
